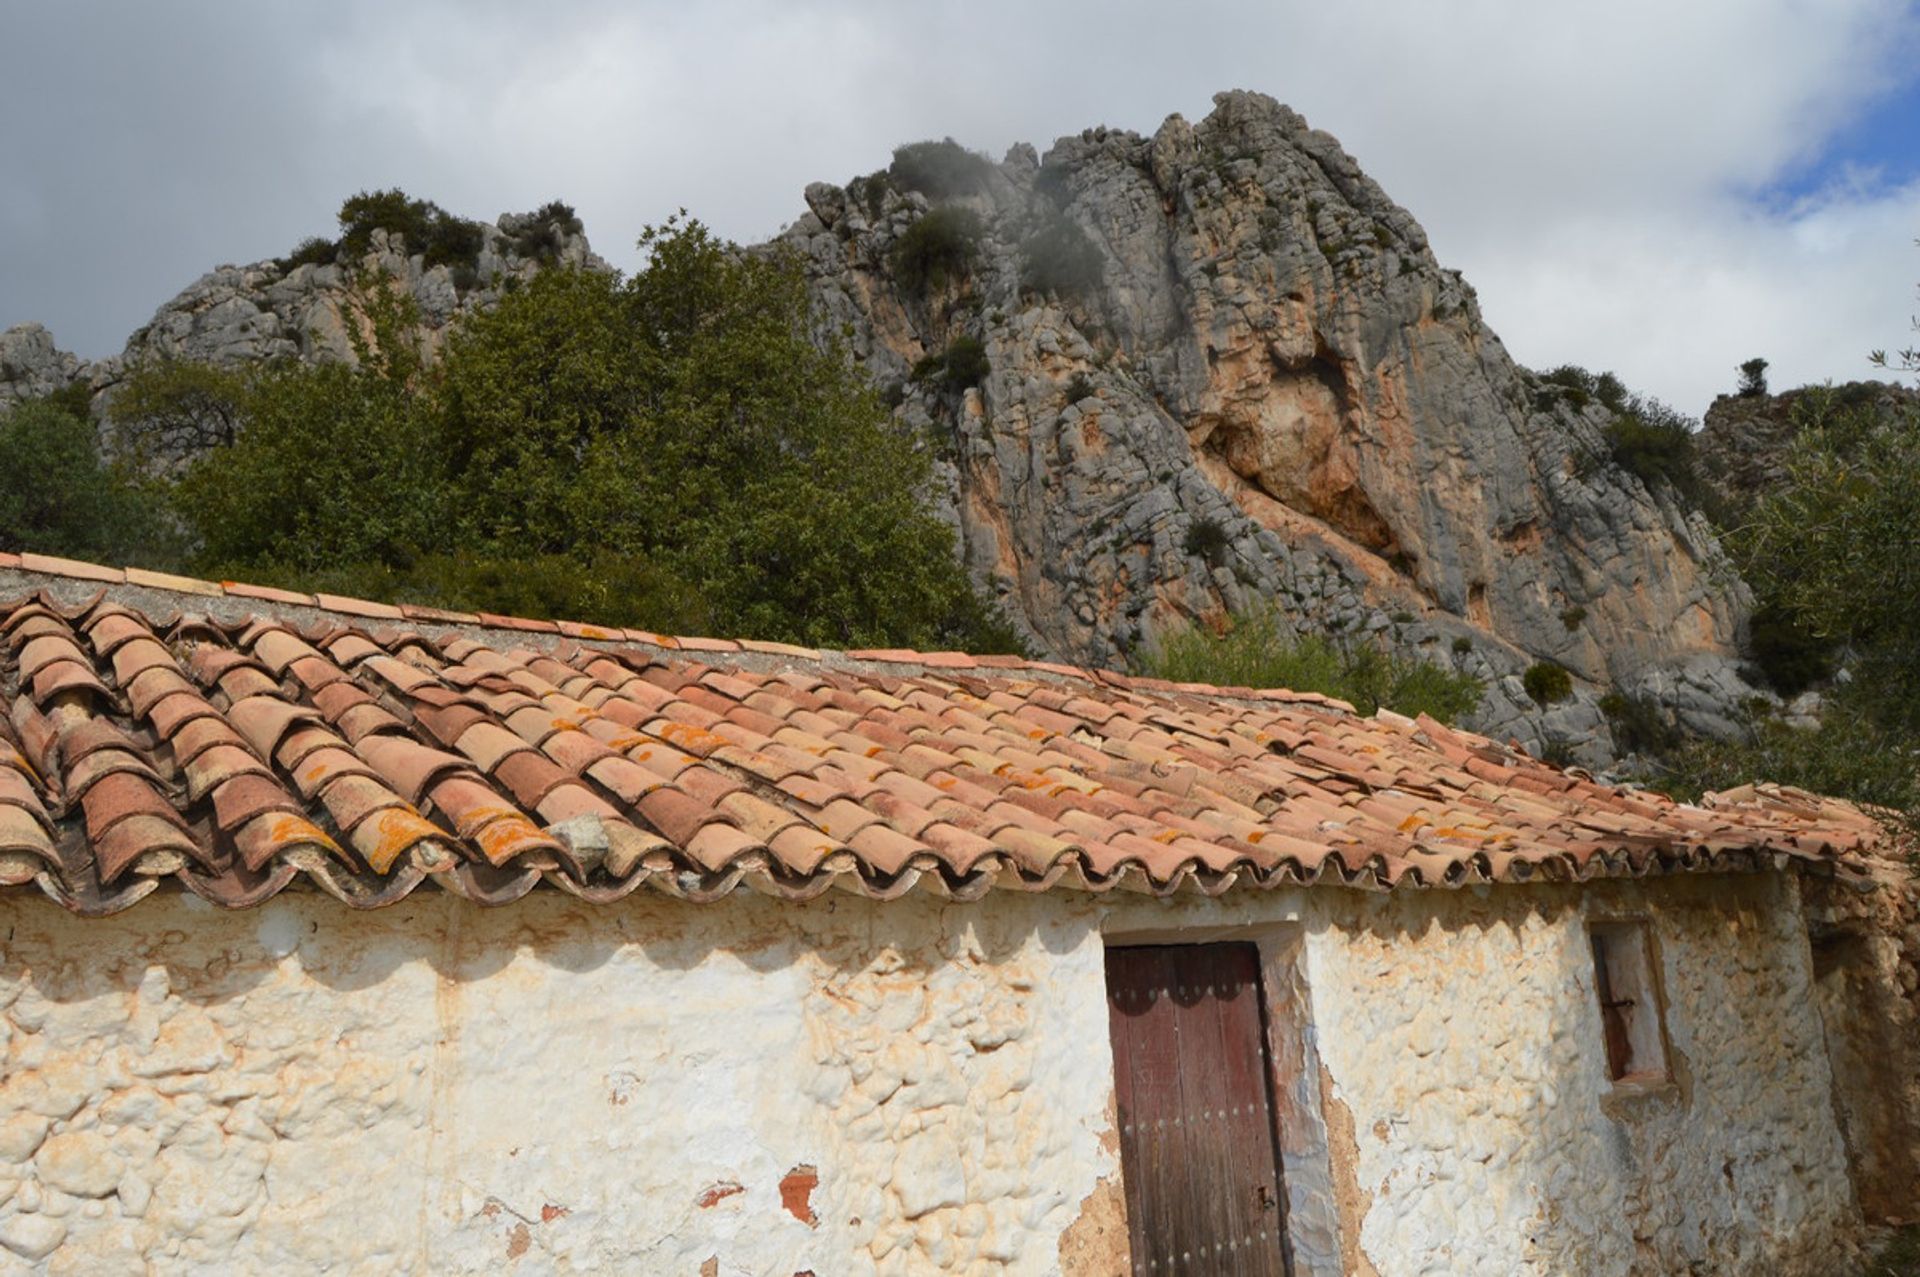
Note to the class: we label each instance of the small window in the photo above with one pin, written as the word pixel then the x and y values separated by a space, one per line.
pixel 1630 1010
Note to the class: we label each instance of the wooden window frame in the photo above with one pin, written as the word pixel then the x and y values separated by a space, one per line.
pixel 1633 1010
pixel 1306 1173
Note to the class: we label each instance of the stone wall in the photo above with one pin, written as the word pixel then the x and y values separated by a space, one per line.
pixel 849 1087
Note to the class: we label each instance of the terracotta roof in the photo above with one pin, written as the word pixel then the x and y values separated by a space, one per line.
pixel 238 741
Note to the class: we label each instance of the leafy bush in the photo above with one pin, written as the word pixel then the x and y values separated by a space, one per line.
pixel 1462 644
pixel 1753 378
pixel 428 229
pixel 940 170
pixel 546 232
pixel 1581 387
pixel 58 497
pixel 1789 656
pixel 1257 650
pixel 1852 754
pixel 1060 258
pixel 1639 725
pixel 871 192
pixel 1079 386
pixel 1547 683
pixel 312 251
pixel 1655 443
pixel 1207 538
pixel 939 247
pixel 962 364
pixel 1571 617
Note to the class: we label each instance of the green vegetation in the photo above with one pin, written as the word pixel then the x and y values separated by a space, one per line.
pixel 1753 378
pixel 1079 386
pixel 542 238
pixel 1207 538
pixel 1571 617
pixel 936 249
pixel 172 408
pixel 962 364
pixel 1655 443
pixel 312 251
pixel 1639 725
pixel 1547 683
pixel 939 170
pixel 1060 258
pixel 1831 555
pixel 1258 650
pixel 445 240
pixel 442 238
pixel 668 450
pixel 58 496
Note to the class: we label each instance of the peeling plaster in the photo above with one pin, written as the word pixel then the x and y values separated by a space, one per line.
pixel 852 1087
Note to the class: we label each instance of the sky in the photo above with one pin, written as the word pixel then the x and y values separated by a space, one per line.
pixel 1659 189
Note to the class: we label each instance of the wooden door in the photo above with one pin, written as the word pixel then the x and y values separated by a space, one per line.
pixel 1197 1146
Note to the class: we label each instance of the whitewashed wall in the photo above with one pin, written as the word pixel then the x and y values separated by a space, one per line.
pixel 845 1087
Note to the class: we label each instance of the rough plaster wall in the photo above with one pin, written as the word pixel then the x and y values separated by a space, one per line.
pixel 1867 973
pixel 1462 1034
pixel 755 1087
pixel 848 1087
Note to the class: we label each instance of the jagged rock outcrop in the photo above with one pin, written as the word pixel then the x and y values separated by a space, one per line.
pixel 1273 391
pixel 1744 439
pixel 1223 368
pixel 274 309
pixel 31 365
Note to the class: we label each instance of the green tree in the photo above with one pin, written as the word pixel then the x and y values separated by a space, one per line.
pixel 58 496
pixel 669 450
pixel 337 464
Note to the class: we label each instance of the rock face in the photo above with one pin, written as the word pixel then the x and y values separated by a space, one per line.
pixel 31 366
pixel 1265 388
pixel 1273 391
pixel 1744 439
pixel 273 310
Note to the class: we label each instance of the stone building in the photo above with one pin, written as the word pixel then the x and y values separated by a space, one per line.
pixel 882 962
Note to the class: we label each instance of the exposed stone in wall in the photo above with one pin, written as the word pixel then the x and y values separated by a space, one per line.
pixel 853 1087
pixel 1866 966
pixel 551 1087
pixel 1464 1034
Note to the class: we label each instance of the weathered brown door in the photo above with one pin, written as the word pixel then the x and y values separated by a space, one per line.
pixel 1196 1118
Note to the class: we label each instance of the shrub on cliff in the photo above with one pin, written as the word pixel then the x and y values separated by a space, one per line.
pixel 1547 683
pixel 936 249
pixel 428 229
pixel 939 170
pixel 1060 258
pixel 1257 649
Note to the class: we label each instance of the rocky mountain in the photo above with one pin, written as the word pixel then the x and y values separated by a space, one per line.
pixel 1170 377
pixel 289 309
pixel 1268 389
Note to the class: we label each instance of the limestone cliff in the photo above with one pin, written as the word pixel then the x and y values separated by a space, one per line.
pixel 1223 368
pixel 277 309
pixel 1271 391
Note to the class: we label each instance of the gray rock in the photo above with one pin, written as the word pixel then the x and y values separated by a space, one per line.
pixel 31 365
pixel 1279 395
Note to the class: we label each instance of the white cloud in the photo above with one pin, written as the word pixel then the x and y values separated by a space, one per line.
pixel 1591 167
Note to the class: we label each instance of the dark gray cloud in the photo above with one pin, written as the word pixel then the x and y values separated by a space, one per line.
pixel 1591 168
